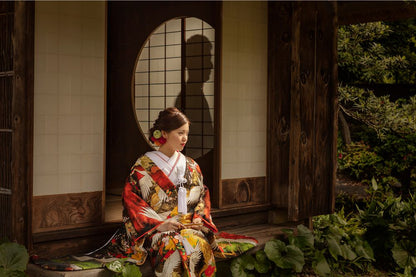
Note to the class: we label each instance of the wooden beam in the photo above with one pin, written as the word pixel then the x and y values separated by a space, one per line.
pixel 295 120
pixel 22 112
pixel 326 115
pixel 279 83
pixel 307 110
pixel 353 12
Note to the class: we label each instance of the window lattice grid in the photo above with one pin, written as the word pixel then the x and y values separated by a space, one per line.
pixel 176 68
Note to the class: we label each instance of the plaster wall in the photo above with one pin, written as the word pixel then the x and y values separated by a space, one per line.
pixel 69 94
pixel 244 89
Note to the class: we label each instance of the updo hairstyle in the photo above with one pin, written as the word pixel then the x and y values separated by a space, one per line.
pixel 168 120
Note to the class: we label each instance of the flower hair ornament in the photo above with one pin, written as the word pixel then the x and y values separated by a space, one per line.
pixel 157 138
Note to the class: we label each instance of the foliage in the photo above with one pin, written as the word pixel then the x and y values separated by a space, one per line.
pixel 362 56
pixel 13 259
pixel 390 224
pixel 379 113
pixel 122 267
pixel 330 248
pixel 402 41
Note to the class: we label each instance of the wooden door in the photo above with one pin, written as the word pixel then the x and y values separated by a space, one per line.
pixel 303 106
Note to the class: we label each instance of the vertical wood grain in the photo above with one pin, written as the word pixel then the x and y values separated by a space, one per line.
pixel 22 121
pixel 279 84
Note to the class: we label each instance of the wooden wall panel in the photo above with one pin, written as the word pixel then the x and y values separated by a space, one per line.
pixel 64 211
pixel 279 82
pixel 308 90
pixel 302 162
pixel 243 191
pixel 326 115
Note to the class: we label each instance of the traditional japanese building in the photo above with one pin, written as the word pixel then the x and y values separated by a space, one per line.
pixel 80 82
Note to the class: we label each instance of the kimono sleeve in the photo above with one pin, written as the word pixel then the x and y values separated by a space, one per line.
pixel 143 217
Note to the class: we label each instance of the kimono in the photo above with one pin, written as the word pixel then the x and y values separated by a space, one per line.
pixel 150 196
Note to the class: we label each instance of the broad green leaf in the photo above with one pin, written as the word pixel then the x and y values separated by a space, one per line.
pixel 363 249
pixel 286 257
pixel 237 268
pixel 402 257
pixel 14 273
pixel 334 247
pixel 274 250
pixel 320 264
pixel 13 257
pixel 131 270
pixel 347 252
pixel 247 262
pixel 262 267
pixel 295 258
pixel 304 238
pixel 261 256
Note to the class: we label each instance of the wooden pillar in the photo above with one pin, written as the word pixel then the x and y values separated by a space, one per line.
pixel 302 106
pixel 22 122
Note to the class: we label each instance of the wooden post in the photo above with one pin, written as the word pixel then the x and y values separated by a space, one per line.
pixel 302 107
pixel 22 118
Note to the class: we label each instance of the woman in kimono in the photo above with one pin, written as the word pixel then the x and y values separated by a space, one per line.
pixel 167 209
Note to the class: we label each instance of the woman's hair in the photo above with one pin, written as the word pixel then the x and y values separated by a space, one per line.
pixel 168 120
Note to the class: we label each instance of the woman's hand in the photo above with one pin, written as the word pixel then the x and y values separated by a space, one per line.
pixel 170 225
pixel 196 224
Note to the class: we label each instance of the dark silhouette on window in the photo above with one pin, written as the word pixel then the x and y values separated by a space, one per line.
pixel 193 102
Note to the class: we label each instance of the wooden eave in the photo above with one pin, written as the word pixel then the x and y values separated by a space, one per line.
pixel 353 12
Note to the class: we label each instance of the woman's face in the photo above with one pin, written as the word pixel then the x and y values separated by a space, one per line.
pixel 176 139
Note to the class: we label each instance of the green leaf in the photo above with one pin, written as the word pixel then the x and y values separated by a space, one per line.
pixel 347 252
pixel 14 273
pixel 334 247
pixel 402 257
pixel 247 261
pixel 131 270
pixel 274 249
pixel 237 268
pixel 262 267
pixel 374 184
pixel 304 238
pixel 13 257
pixel 363 249
pixel 320 264
pixel 286 257
pixel 295 258
pixel 261 256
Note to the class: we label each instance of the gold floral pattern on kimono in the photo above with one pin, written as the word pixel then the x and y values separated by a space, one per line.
pixel 149 198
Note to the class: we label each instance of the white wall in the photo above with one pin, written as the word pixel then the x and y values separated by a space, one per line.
pixel 244 89
pixel 69 97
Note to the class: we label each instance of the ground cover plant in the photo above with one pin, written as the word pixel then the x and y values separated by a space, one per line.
pixel 13 259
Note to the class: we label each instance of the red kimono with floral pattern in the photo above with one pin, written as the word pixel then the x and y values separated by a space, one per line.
pixel 149 198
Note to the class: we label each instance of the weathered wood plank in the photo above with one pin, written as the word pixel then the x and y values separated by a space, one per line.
pixel 243 191
pixel 295 120
pixel 326 116
pixel 279 83
pixel 22 110
pixel 307 50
